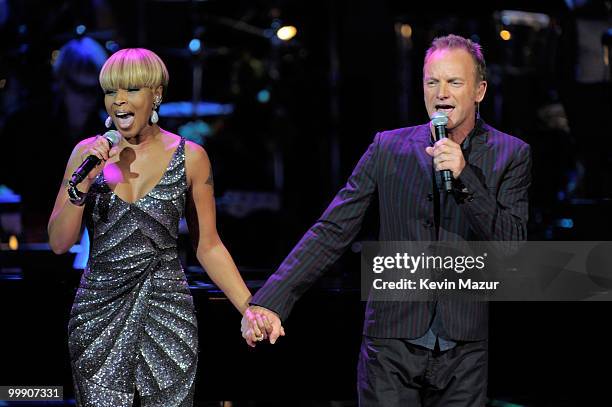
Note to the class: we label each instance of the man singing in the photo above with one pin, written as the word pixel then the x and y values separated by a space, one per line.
pixel 418 353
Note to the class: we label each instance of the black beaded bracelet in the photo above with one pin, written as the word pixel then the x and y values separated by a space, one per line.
pixel 76 197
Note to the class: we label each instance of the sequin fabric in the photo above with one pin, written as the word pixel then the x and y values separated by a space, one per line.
pixel 133 325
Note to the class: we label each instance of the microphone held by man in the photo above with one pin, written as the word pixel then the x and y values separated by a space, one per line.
pixel 439 121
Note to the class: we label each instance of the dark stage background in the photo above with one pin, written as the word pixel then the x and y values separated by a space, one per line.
pixel 284 122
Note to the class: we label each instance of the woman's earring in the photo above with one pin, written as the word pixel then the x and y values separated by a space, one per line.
pixel 154 117
pixel 108 122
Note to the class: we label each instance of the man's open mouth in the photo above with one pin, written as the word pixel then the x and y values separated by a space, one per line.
pixel 444 108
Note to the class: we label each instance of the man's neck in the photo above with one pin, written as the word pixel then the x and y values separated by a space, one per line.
pixel 458 135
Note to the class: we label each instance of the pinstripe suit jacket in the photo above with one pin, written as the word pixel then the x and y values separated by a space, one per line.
pixel 490 203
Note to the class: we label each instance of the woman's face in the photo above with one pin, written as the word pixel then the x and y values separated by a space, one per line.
pixel 131 108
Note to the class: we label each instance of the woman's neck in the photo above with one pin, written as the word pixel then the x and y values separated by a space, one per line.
pixel 144 139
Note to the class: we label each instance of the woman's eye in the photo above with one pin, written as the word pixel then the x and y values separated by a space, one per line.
pixel 110 92
pixel 133 89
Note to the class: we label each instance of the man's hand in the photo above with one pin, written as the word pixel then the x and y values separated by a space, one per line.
pixel 259 323
pixel 447 155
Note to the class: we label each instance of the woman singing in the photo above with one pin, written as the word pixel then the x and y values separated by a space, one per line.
pixel 132 326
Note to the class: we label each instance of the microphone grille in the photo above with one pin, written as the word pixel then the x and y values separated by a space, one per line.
pixel 113 137
pixel 439 119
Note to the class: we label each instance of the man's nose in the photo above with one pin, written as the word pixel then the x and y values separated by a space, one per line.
pixel 442 91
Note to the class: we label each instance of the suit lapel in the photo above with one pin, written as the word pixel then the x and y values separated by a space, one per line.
pixel 422 140
pixel 481 143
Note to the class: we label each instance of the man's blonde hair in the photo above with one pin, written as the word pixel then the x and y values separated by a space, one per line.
pixel 453 41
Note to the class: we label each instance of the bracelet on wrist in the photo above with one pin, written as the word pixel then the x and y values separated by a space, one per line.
pixel 75 196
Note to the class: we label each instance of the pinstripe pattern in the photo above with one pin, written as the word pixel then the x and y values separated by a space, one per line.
pixel 490 203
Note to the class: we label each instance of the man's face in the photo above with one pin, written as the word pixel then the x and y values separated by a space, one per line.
pixel 450 86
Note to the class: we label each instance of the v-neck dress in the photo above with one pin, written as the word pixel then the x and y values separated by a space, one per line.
pixel 133 325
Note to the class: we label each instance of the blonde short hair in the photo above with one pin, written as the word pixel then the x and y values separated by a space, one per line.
pixel 133 68
pixel 453 41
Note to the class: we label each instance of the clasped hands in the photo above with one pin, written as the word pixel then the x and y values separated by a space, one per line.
pixel 259 323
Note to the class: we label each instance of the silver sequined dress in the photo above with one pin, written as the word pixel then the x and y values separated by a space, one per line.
pixel 133 325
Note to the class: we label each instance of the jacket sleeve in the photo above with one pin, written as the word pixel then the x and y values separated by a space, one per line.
pixel 502 217
pixel 325 241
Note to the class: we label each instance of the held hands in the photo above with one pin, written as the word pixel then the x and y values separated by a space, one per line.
pixel 447 155
pixel 259 323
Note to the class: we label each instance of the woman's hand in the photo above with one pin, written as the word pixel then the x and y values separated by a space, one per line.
pixel 259 323
pixel 99 147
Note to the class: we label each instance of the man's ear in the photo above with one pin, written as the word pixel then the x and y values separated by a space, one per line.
pixel 481 89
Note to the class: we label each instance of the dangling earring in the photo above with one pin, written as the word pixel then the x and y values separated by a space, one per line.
pixel 108 122
pixel 154 115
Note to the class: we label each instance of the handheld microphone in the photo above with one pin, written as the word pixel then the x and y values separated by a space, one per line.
pixel 439 121
pixel 113 137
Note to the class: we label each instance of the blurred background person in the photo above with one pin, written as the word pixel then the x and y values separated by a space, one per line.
pixel 46 128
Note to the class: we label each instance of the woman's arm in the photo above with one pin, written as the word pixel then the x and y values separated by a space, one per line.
pixel 65 221
pixel 201 219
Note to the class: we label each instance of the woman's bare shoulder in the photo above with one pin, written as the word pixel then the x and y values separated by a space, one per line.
pixel 195 152
pixel 170 140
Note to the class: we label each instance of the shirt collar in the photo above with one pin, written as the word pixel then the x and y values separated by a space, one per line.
pixel 476 131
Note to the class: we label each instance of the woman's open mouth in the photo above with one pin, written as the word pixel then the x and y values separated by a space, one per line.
pixel 124 119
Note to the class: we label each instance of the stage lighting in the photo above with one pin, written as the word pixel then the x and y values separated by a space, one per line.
pixel 565 223
pixel 505 35
pixel 406 31
pixel 286 32
pixel 263 96
pixel 195 46
pixel 13 243
pixel 112 46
